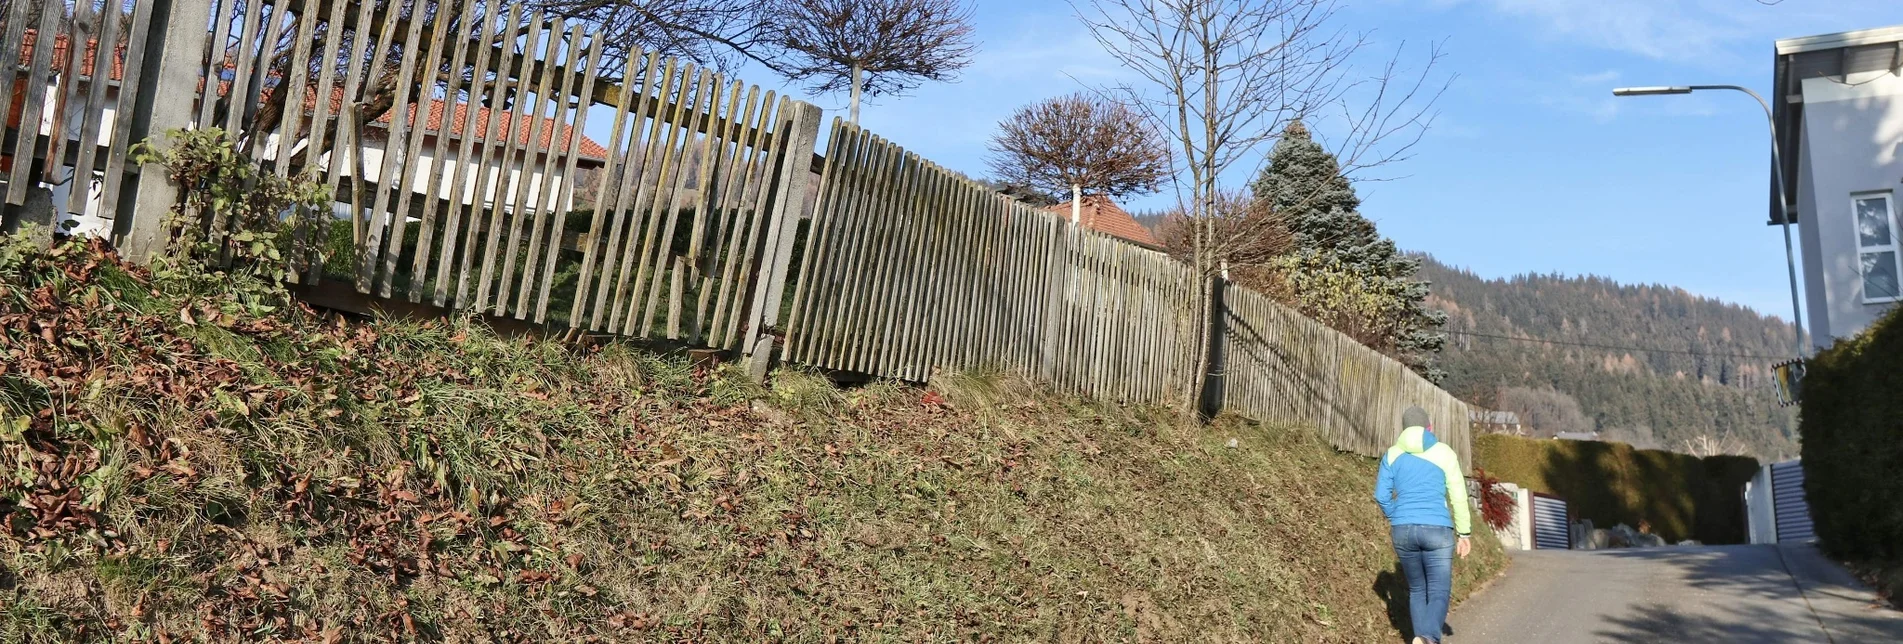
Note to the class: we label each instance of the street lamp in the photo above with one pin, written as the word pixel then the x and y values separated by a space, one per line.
pixel 1777 173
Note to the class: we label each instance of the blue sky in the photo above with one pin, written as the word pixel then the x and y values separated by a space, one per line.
pixel 1532 164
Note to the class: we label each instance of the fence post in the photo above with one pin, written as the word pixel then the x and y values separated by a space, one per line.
pixel 1056 297
pixel 173 62
pixel 1214 394
pixel 789 206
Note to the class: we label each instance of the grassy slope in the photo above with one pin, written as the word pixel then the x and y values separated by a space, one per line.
pixel 207 468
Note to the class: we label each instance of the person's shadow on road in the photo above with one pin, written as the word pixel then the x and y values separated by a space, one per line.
pixel 1391 587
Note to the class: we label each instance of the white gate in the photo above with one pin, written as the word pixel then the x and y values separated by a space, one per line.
pixel 1787 501
pixel 1552 523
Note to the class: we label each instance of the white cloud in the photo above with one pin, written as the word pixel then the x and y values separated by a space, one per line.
pixel 1597 78
pixel 1600 110
pixel 1706 33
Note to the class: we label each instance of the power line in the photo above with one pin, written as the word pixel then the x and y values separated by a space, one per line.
pixel 1615 347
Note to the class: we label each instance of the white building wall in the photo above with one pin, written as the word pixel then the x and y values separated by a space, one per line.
pixel 1852 144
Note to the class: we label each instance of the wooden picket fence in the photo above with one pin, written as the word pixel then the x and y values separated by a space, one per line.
pixel 911 268
pixel 453 137
pixel 62 71
pixel 1279 366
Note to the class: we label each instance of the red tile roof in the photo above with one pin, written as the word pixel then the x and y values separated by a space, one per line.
pixel 589 149
pixel 60 47
pixel 1101 214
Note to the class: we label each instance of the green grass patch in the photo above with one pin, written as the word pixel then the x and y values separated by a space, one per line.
pixel 190 467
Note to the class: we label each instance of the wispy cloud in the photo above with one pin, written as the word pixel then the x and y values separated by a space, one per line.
pixel 1597 78
pixel 1705 33
pixel 1600 110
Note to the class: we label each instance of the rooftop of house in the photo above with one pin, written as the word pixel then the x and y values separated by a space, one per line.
pixel 1839 56
pixel 589 150
pixel 1101 214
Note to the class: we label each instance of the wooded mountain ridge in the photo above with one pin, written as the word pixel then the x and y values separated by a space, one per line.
pixel 1650 365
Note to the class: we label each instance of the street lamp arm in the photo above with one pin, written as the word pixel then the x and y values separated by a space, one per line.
pixel 1777 175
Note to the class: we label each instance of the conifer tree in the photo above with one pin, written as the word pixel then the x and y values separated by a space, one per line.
pixel 1305 186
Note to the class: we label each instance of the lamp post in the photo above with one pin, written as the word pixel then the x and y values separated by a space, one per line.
pixel 1777 174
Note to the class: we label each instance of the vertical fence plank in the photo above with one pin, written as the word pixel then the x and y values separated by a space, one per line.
pixel 33 103
pixel 130 86
pixel 458 207
pixel 432 185
pixel 383 215
pixel 409 125
pixel 658 200
pixel 747 219
pixel 552 160
pixel 93 114
pixel 500 133
pixel 498 268
pixel 818 236
pixel 606 212
pixel 646 183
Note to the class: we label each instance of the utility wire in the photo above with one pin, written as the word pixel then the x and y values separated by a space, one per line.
pixel 1615 347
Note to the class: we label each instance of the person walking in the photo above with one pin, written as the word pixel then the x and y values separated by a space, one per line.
pixel 1424 495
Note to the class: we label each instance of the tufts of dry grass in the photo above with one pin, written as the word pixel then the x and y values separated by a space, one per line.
pixel 196 458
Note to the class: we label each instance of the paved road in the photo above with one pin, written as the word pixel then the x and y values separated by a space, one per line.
pixel 1676 594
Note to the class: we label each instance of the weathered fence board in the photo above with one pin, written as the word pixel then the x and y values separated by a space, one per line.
pixel 1279 366
pixel 911 268
pixel 454 137
pixel 63 72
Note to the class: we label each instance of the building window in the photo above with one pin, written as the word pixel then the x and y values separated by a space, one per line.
pixel 1877 247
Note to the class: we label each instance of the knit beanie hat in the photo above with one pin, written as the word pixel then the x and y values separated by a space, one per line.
pixel 1414 417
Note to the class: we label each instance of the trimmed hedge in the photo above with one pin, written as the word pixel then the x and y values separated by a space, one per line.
pixel 1853 442
pixel 1679 495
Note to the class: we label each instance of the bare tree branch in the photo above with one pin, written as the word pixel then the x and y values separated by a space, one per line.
pixel 1080 144
pixel 877 47
pixel 1221 77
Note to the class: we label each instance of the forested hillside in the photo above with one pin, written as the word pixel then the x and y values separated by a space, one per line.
pixel 1651 365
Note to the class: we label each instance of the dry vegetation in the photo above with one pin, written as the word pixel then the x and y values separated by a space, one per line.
pixel 194 458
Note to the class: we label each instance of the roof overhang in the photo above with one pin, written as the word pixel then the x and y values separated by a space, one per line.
pixel 1824 56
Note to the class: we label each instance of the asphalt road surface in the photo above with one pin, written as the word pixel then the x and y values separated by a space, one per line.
pixel 1724 594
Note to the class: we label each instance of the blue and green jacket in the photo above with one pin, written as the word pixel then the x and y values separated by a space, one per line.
pixel 1420 480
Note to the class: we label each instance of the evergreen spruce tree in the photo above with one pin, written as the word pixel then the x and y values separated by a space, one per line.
pixel 1305 184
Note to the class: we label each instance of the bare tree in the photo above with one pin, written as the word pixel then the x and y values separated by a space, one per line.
pixel 1082 143
pixel 874 46
pixel 719 33
pixel 1221 77
pixel 1248 233
pixel 1705 445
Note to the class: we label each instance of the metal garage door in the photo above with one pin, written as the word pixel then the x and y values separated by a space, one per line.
pixel 1552 524
pixel 1787 497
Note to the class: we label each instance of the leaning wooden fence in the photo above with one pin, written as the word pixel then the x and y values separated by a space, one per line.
pixel 1279 366
pixel 62 71
pixel 466 190
pixel 454 137
pixel 910 268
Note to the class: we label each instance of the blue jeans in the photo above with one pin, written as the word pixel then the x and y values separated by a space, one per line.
pixel 1427 559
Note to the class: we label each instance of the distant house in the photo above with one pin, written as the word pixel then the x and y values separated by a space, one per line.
pixel 1577 436
pixel 1101 214
pixel 1838 104
pixel 1495 422
pixel 554 135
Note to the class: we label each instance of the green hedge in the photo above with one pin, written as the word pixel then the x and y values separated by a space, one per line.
pixel 1681 496
pixel 1853 442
